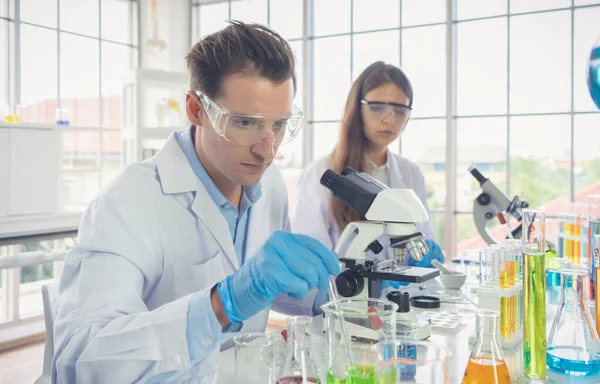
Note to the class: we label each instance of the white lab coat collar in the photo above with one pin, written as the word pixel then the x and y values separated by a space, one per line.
pixel 394 172
pixel 177 176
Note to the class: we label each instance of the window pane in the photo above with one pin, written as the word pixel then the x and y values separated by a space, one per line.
pixel 80 16
pixel 286 18
pixel 587 155
pixel 537 5
pixel 250 11
pixel 438 229
pixel 372 47
pixel 368 17
pixel 587 29
pixel 32 279
pixel 43 12
pixel 480 142
pixel 468 237
pixel 79 188
pixel 3 65
pixel 298 54
pixel 586 2
pixel 4 8
pixel 80 150
pixel 325 137
pixel 426 68
pixel 213 17
pixel 331 17
pixel 111 156
pixel 481 82
pixel 417 12
pixel 331 77
pixel 116 62
pixel 470 9
pixel 540 149
pixel 79 79
pixel 116 20
pixel 424 143
pixel 39 87
pixel 540 63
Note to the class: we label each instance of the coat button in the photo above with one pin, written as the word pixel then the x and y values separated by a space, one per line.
pixel 176 360
pixel 207 342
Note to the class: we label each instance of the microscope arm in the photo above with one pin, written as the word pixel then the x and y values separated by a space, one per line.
pixel 367 233
pixel 483 213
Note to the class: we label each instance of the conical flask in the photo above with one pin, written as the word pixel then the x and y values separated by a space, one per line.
pixel 486 364
pixel 299 366
pixel 573 343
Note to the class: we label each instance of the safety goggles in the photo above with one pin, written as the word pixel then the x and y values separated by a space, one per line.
pixel 249 129
pixel 381 109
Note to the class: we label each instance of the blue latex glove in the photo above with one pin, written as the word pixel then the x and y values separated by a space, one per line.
pixel 287 263
pixel 435 253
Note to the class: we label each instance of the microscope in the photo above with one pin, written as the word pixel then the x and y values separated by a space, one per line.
pixel 492 202
pixel 383 211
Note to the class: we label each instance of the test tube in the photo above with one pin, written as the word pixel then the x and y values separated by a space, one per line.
pixel 503 257
pixel 577 213
pixel 593 230
pixel 534 294
pixel 483 266
pixel 568 233
pixel 596 252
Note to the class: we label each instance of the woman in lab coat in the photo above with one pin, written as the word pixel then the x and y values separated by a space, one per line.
pixel 377 111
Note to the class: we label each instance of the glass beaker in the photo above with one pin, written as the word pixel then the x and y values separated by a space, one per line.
pixel 534 293
pixel 254 358
pixel 366 321
pixel 63 116
pixel 12 114
pixel 486 364
pixel 573 341
pixel 411 361
pixel 299 366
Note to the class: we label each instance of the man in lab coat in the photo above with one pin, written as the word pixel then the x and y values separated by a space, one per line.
pixel 183 250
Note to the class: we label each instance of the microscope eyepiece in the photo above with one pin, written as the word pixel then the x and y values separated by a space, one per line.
pixel 355 189
pixel 477 175
pixel 328 177
pixel 348 170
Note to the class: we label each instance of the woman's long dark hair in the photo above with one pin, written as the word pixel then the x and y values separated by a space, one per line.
pixel 351 148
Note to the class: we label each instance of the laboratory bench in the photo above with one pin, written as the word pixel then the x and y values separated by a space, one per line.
pixel 459 340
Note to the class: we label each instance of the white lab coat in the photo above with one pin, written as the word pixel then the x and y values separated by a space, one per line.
pixel 313 213
pixel 152 238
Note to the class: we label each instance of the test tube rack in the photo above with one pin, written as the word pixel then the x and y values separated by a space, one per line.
pixel 490 297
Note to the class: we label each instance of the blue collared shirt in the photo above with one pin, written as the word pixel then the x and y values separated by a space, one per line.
pixel 237 220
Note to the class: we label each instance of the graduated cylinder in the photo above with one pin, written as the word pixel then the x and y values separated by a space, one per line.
pixel 534 293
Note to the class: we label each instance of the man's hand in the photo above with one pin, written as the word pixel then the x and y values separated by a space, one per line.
pixel 287 263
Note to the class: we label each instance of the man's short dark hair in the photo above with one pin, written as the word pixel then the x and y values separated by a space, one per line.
pixel 249 49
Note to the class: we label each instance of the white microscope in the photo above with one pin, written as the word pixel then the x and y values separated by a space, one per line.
pixel 385 211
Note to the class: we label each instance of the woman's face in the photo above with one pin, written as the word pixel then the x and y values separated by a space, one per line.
pixel 383 123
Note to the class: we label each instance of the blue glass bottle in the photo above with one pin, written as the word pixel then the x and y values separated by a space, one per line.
pixel 593 78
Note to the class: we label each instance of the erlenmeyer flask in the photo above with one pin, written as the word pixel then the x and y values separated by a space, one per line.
pixel 486 364
pixel 573 342
pixel 299 366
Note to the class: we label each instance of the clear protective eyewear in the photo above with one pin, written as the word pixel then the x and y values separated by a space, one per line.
pixel 249 129
pixel 381 109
